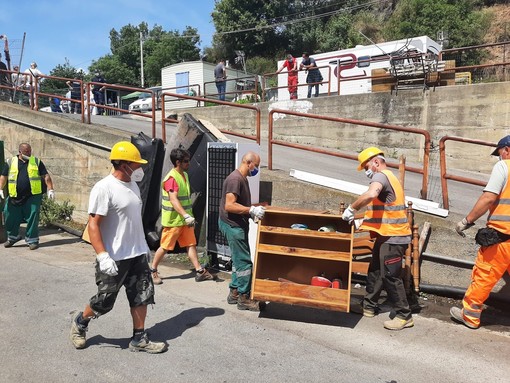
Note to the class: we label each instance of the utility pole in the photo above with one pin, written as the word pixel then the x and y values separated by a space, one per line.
pixel 141 58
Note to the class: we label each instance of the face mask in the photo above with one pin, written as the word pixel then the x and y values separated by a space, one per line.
pixel 137 175
pixel 25 157
pixel 500 158
pixel 254 172
pixel 369 173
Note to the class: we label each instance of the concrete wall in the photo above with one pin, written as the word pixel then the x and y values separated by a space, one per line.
pixel 480 111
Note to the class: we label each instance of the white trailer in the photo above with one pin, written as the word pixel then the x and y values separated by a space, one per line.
pixel 357 63
pixel 187 77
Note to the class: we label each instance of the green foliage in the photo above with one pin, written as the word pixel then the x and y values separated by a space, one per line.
pixel 463 20
pixel 53 211
pixel 54 86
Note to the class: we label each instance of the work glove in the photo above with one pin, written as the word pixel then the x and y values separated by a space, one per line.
pixel 51 194
pixel 106 264
pixel 348 214
pixel 463 225
pixel 257 212
pixel 190 221
pixel 2 196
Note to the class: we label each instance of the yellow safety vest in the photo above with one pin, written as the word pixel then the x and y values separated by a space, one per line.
pixel 499 213
pixel 388 219
pixel 169 217
pixel 33 176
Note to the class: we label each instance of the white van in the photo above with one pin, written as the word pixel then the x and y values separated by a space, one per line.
pixel 144 101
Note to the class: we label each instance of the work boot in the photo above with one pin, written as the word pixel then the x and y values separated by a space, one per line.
pixel 458 316
pixel 33 246
pixel 398 324
pixel 156 279
pixel 146 345
pixel 245 303
pixel 77 334
pixel 9 244
pixel 233 296
pixel 204 275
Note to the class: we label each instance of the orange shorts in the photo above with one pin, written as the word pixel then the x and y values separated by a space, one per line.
pixel 185 235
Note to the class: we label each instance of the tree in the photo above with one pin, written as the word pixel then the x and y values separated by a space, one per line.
pixel 66 70
pixel 160 49
pixel 463 20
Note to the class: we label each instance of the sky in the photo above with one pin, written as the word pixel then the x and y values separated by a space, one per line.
pixel 80 30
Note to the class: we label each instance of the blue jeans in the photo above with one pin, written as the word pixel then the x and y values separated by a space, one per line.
pixel 242 265
pixel 221 86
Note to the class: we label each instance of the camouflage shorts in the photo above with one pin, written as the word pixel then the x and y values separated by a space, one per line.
pixel 134 274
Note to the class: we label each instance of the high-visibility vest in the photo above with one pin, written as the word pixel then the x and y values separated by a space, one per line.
pixel 388 219
pixel 169 217
pixel 33 176
pixel 499 212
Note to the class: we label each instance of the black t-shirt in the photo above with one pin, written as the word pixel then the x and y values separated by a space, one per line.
pixel 237 184
pixel 98 79
pixel 23 183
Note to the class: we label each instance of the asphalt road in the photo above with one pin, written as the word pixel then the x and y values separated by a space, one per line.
pixel 212 341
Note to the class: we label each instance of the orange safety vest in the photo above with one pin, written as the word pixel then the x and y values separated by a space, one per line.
pixel 499 212
pixel 388 219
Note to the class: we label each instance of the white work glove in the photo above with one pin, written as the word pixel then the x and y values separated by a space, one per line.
pixel 51 194
pixel 190 221
pixel 348 214
pixel 2 196
pixel 463 225
pixel 106 264
pixel 257 212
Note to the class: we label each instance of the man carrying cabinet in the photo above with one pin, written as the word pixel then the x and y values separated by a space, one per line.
pixel 386 219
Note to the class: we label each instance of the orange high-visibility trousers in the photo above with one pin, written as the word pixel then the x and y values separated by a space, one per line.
pixel 491 263
pixel 292 82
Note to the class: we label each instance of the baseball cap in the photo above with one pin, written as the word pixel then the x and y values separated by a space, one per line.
pixel 505 141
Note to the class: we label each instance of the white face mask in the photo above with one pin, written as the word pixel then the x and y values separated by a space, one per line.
pixel 137 175
pixel 369 173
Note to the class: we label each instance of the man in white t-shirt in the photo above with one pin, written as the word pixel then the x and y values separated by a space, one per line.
pixel 117 236
pixel 493 258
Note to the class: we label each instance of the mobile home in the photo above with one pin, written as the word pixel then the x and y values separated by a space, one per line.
pixel 188 78
pixel 357 63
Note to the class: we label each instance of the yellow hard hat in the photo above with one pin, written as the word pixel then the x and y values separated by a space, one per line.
pixel 366 155
pixel 126 151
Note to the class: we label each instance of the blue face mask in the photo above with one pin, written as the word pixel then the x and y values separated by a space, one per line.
pixel 254 172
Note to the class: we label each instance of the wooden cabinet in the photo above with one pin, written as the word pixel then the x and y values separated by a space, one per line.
pixel 287 259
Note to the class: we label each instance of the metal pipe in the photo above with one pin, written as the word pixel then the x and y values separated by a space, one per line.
pixel 458 293
pixel 447 260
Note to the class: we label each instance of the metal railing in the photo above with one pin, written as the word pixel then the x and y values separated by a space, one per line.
pixel 239 89
pixel 164 119
pixel 152 115
pixel 267 76
pixel 442 163
pixel 424 170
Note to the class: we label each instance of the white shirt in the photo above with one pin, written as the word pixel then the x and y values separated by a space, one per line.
pixel 498 178
pixel 121 228
pixel 30 80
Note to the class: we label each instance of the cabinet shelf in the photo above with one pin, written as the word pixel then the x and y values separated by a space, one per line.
pixel 296 256
pixel 302 252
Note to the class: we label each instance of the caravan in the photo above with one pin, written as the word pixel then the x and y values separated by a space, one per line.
pixel 352 68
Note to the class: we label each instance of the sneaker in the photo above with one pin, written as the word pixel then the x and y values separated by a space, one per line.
pixel 9 244
pixel 33 246
pixel 233 296
pixel 204 276
pixel 366 312
pixel 398 324
pixel 147 345
pixel 156 279
pixel 77 334
pixel 245 303
pixel 458 316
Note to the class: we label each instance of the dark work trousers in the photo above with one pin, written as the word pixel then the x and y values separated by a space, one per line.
pixel 385 272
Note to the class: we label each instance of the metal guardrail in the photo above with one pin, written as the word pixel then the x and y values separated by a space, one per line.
pixel 442 163
pixel 164 119
pixel 426 150
pixel 266 76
